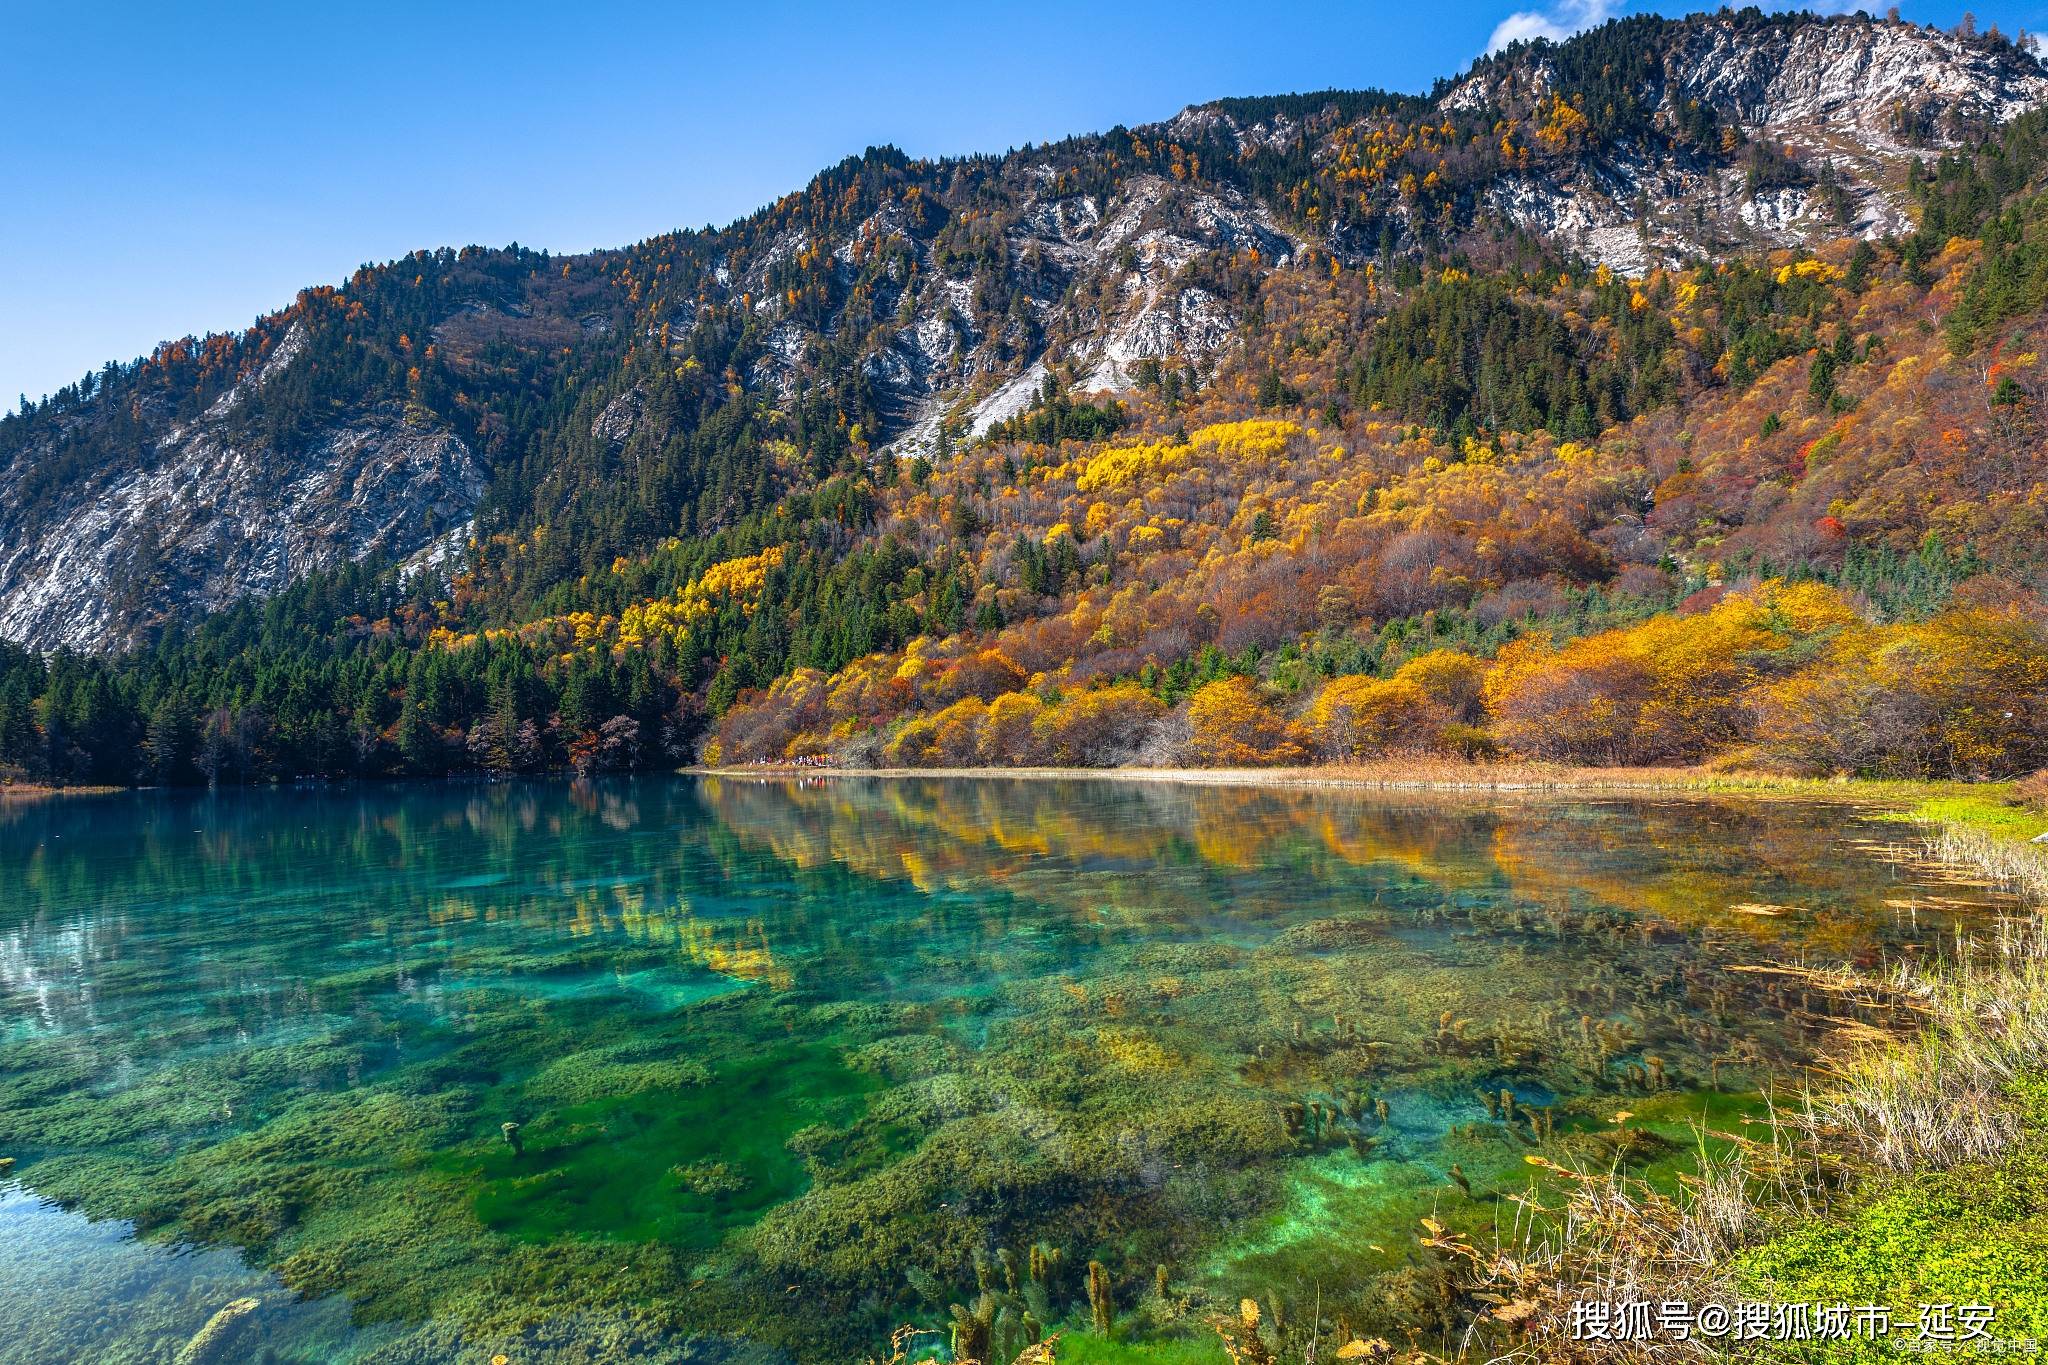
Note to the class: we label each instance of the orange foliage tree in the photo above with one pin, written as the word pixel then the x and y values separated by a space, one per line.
pixel 1233 727
pixel 986 674
pixel 1360 717
pixel 1672 689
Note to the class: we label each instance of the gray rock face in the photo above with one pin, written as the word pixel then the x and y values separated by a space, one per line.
pixel 614 426
pixel 1119 270
pixel 1106 288
pixel 1851 79
pixel 209 520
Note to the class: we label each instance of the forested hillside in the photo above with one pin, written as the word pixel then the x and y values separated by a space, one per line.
pixel 1300 428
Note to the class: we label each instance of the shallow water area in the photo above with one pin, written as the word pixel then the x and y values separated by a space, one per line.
pixel 792 1062
pixel 79 1290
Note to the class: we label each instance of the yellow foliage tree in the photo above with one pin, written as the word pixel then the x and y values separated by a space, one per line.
pixel 1964 695
pixel 1007 734
pixel 946 739
pixel 1672 689
pixel 1233 727
pixel 1100 727
pixel 1451 678
pixel 1361 717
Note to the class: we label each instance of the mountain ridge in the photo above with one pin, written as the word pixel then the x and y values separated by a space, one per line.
pixel 1101 266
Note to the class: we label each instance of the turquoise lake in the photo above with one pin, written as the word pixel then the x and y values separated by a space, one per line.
pixel 793 1063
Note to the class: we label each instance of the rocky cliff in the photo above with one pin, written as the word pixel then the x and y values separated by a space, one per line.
pixel 1817 123
pixel 206 515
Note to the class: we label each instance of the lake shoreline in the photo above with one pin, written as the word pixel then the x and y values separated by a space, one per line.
pixel 1515 778
pixel 1926 801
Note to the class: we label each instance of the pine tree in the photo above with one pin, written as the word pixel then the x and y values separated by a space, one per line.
pixel 168 742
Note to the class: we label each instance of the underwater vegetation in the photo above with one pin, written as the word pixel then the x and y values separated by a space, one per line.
pixel 712 1070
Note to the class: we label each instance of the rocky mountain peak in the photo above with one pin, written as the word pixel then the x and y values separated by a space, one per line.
pixel 1738 130
pixel 1852 74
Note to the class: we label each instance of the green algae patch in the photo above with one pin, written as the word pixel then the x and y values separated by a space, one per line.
pixel 655 989
pixel 1316 1231
pixel 1985 809
pixel 1686 1120
pixel 682 1165
pixel 1080 1348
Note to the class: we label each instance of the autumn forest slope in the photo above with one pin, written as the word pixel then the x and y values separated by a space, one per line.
pixel 1667 395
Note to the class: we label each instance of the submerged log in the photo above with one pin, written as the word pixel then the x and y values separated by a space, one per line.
pixel 210 1343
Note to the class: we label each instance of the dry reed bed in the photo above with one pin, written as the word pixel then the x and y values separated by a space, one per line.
pixel 2016 867
pixel 1420 774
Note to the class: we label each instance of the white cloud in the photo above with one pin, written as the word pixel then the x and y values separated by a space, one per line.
pixel 1561 20
pixel 1557 23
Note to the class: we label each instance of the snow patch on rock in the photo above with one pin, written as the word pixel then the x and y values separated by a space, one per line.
pixel 1008 401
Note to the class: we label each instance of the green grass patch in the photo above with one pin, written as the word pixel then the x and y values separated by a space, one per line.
pixel 1973 1234
pixel 1986 808
pixel 1977 1234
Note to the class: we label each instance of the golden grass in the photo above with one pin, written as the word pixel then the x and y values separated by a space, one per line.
pixel 37 791
pixel 1616 1239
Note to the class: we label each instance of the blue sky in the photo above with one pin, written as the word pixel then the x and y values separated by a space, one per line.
pixel 174 169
